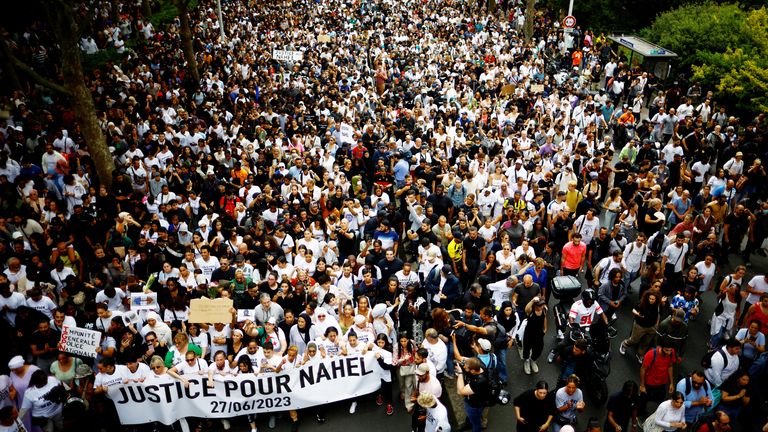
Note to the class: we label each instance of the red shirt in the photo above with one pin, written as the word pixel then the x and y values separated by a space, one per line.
pixel 657 371
pixel 572 255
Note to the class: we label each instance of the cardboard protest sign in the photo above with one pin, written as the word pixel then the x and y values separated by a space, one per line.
pixel 205 310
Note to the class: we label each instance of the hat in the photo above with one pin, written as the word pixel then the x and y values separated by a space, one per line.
pixel 426 400
pixel 484 344
pixel 16 362
pixel 518 161
pixel 17 235
pixel 379 310
pixel 679 314
pixel 422 369
pixel 447 270
pixel 593 175
pixel 360 319
pixel 82 371
pixel 272 320
pixel 541 302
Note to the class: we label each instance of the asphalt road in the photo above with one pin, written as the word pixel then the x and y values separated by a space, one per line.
pixel 373 418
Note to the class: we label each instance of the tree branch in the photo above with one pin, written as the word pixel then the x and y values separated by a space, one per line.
pixel 43 81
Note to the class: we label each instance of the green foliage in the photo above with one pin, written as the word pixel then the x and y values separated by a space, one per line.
pixel 740 73
pixel 693 30
pixel 168 12
pixel 613 16
pixel 725 46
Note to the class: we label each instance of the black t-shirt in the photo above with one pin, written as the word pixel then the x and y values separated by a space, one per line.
pixel 622 408
pixel 480 387
pixel 533 410
pixel 473 247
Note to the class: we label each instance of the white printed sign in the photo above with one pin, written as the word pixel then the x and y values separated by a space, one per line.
pixel 347 133
pixel 166 400
pixel 79 341
pixel 287 55
pixel 144 302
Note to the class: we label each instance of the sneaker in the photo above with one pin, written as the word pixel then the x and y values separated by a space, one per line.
pixel 380 400
pixel 271 422
pixel 527 366
pixel 320 418
pixel 353 408
pixel 390 409
pixel 225 424
pixel 622 349
pixel 534 367
pixel 551 357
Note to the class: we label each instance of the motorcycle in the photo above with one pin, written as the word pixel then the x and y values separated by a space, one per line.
pixel 565 289
pixel 595 385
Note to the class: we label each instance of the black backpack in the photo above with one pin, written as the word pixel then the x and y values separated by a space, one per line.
pixel 500 341
pixel 706 361
pixel 494 382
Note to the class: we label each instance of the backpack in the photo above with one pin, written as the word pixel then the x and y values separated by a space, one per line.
pixel 689 386
pixel 494 382
pixel 706 361
pixel 500 341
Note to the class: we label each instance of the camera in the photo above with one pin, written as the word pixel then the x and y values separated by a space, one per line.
pixel 504 397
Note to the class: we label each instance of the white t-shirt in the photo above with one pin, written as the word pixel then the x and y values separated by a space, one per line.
pixel 113 303
pixel 38 406
pixel 582 315
pixel 121 373
pixel 13 302
pixel 45 306
pixel 207 267
pixel 587 228
pixel 758 284
pixel 226 333
pixel 675 255
pixel 707 272
pixel 5 391
pixel 199 367
pixel 437 419
pixel 142 371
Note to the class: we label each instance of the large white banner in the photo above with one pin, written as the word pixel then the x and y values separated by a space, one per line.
pixel 167 400
pixel 287 55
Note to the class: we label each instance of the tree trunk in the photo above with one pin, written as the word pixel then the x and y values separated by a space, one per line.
pixel 530 16
pixel 186 40
pixel 146 9
pixel 65 28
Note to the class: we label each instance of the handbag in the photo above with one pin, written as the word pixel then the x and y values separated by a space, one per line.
pixel 407 370
pixel 649 425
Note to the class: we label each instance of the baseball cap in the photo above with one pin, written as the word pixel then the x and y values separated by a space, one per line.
pixel 422 369
pixel 485 344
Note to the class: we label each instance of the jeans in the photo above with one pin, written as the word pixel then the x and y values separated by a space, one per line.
pixel 501 356
pixel 629 277
pixel 450 369
pixel 474 416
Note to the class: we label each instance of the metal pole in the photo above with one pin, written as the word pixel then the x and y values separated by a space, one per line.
pixel 221 20
pixel 570 7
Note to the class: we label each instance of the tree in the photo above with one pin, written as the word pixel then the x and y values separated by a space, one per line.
pixel 530 16
pixel 724 46
pixel 740 74
pixel 182 6
pixel 60 16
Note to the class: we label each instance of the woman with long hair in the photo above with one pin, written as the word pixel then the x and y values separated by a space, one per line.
pixel 647 314
pixel 383 353
pixel 403 354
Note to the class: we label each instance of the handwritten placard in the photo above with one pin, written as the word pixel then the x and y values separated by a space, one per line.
pixel 79 341
pixel 205 310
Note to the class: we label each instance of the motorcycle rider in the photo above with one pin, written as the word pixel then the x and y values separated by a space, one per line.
pixel 582 315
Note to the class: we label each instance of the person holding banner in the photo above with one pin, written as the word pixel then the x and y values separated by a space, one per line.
pixel 181 345
pixel 383 356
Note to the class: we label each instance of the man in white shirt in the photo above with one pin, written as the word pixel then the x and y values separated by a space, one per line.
pixel 207 263
pixel 673 259
pixel 723 363
pixel 110 375
pixel 635 254
pixel 9 302
pixel 502 289
pixel 587 225
pixel 438 351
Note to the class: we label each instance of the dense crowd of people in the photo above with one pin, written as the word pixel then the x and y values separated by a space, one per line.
pixel 411 186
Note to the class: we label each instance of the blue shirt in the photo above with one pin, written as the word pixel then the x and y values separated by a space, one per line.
pixel 691 412
pixel 402 169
